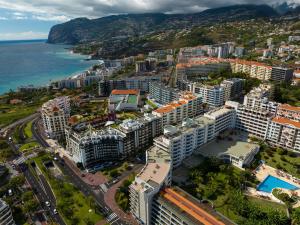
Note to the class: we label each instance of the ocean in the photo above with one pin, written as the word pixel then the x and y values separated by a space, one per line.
pixel 37 63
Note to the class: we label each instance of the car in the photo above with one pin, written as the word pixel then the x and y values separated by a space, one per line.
pixel 55 158
pixel 10 192
pixel 47 204
pixel 55 211
pixel 10 138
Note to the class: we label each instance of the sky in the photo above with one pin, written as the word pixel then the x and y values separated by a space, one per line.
pixel 32 19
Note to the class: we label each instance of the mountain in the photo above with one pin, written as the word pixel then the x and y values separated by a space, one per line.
pixel 83 30
pixel 284 7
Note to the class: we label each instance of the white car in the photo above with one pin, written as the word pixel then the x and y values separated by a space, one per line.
pixel 55 211
pixel 47 204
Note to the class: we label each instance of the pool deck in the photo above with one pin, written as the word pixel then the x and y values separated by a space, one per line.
pixel 263 171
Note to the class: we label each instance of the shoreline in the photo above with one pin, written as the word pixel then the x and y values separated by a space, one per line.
pixel 68 51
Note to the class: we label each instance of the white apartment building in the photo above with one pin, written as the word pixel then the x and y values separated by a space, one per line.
pixel 214 96
pixel 258 98
pixel 55 114
pixel 252 120
pixel 156 174
pixel 181 141
pixel 233 88
pixel 223 118
pixel 188 106
pixel 6 217
pixel 285 133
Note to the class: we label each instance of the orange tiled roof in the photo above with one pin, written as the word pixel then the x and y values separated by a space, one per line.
pixel 289 107
pixel 164 109
pixel 283 120
pixel 125 92
pixel 190 208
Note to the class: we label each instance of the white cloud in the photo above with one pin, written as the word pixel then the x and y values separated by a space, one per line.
pixel 62 10
pixel 28 35
pixel 3 18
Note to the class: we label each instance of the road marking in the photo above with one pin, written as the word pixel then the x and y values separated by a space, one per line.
pixel 111 217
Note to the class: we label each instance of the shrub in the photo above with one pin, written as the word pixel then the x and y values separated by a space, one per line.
pixel 283 158
pixel 278 166
pixel 281 151
pixel 292 154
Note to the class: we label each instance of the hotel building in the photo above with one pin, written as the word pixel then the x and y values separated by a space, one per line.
pixel 55 114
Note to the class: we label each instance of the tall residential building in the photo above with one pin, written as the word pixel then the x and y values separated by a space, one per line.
pixel 233 88
pixel 251 120
pixel 280 74
pixel 55 114
pixel 162 94
pixel 224 118
pixel 188 106
pixel 258 98
pixel 284 132
pixel 91 146
pixel 155 175
pixel 289 112
pixel 214 96
pixel 6 217
pixel 182 140
pixel 140 132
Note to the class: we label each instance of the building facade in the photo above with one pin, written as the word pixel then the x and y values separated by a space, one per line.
pixel 162 94
pixel 55 114
pixel 6 217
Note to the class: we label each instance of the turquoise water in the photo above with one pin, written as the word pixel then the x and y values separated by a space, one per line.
pixel 272 182
pixel 37 63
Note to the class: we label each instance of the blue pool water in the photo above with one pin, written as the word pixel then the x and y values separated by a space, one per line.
pixel 272 182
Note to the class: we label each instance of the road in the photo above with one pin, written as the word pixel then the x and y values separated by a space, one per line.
pixel 40 193
pixel 43 193
pixel 18 122
pixel 86 189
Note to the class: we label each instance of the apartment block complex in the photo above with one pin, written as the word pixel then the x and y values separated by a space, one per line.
pixel 55 114
pixel 188 106
pixel 89 146
pixel 200 66
pixel 162 94
pixel 139 83
pixel 233 88
pixel 182 140
pixel 279 129
pixel 6 217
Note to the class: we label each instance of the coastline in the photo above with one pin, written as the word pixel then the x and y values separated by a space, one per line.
pixel 48 76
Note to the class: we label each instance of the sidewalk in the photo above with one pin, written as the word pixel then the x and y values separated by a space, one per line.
pixel 109 199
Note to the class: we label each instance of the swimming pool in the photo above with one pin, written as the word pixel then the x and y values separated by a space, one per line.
pixel 271 182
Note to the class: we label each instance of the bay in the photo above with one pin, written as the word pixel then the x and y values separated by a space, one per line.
pixel 37 63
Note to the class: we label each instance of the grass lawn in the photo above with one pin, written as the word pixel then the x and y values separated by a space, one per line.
pixel 265 204
pixel 71 203
pixel 29 145
pixel 27 130
pixel 283 162
pixel 114 171
pixel 151 104
pixel 126 115
pixel 12 113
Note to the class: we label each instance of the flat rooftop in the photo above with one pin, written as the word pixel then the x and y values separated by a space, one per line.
pixel 234 145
